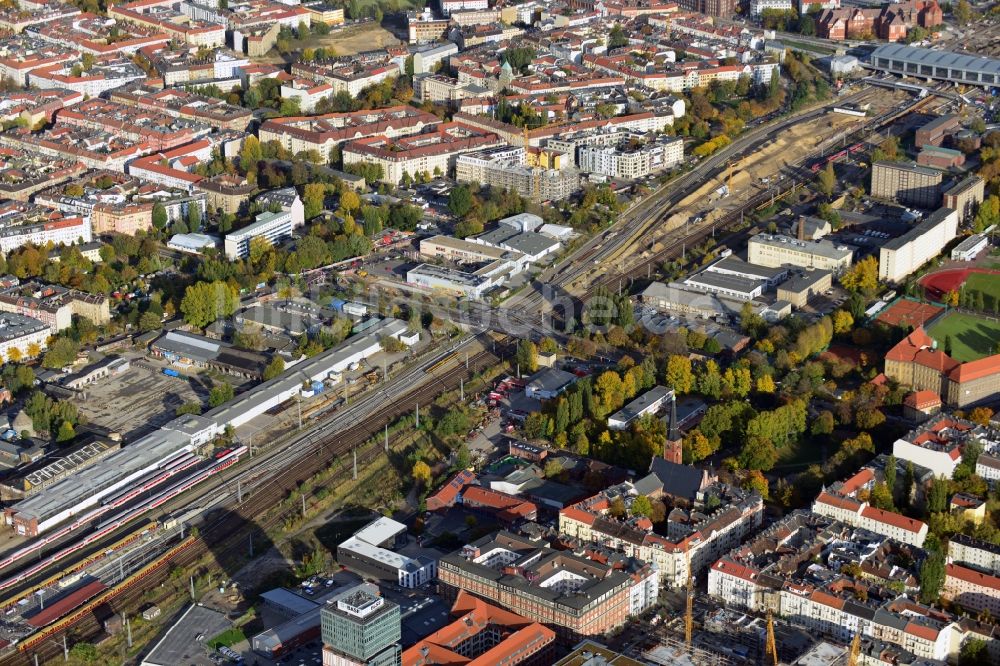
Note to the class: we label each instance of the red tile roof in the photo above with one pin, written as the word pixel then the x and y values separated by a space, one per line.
pixel 894 519
pixel 923 399
pixel 858 481
pixel 839 502
pixel 972 576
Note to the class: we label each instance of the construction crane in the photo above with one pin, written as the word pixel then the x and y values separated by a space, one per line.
pixel 689 601
pixel 771 647
pixel 852 658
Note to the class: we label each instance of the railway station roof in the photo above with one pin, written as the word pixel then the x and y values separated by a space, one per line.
pixel 936 58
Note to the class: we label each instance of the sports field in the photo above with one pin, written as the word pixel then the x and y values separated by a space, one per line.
pixel 972 337
pixel 988 283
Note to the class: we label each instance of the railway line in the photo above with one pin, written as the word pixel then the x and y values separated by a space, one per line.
pixel 801 172
pixel 223 535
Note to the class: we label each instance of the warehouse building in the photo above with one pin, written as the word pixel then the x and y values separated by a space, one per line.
pixel 970 248
pixel 451 280
pixel 936 64
pixel 901 256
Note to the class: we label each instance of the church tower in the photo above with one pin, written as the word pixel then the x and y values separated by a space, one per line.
pixel 673 448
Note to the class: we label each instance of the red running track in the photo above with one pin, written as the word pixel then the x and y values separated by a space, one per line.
pixel 936 285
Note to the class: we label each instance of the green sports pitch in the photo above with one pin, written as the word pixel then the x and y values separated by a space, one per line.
pixel 972 336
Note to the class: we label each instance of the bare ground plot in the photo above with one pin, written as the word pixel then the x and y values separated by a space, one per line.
pixel 140 400
pixel 346 41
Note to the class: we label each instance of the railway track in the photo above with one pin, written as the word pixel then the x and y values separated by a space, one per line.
pixel 676 246
pixel 225 537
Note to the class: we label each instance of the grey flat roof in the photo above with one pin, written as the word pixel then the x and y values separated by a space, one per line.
pixel 285 598
pixel 929 222
pixel 180 645
pixel 936 58
pixel 380 530
pixel 963 185
pixel 450 274
pixel 531 243
pixel 496 236
pixel 737 265
pixel 822 248
pixel 641 404
pixel 724 281
pixel 94 479
pixel 969 243
pixel 803 281
pixel 912 167
pixel 941 121
pixel 551 379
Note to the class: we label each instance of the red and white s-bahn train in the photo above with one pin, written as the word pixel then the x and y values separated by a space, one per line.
pixel 171 467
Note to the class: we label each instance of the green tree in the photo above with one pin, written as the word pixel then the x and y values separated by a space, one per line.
pixel 159 216
pixel 823 425
pixel 890 473
pixel 962 12
pixel 617 37
pixel 641 506
pixel 205 302
pixel 66 432
pixel 313 198
pixel 937 496
pixel 274 368
pixel 61 352
pixel 193 218
pixel 861 277
pixel 826 180
pixel 527 356
pixel 460 201
pixel 220 394
pixel 758 453
pixel 974 653
pixel 932 572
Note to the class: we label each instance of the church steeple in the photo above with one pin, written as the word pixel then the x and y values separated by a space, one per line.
pixel 673 448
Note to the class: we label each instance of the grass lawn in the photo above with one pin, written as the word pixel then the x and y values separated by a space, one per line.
pixel 972 337
pixel 987 283
pixel 799 455
pixel 229 637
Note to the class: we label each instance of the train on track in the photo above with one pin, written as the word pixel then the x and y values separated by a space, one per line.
pixel 149 482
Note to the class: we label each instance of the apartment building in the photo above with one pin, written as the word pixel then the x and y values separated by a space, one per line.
pixel 698 536
pixel 166 16
pixel 965 197
pixel 973 591
pixel 26 223
pixel 323 132
pixel 575 595
pixel 423 28
pixel 903 255
pixel 426 60
pixel 506 167
pixel 272 227
pixel 156 131
pixel 186 105
pixel 434 151
pixel 762 576
pixel 975 553
pixel 351 79
pixel 21 54
pixel 53 305
pixel 937 444
pixel 106 74
pixel 631 163
pixel 907 183
pixel 840 502
pixel 776 250
pixel 22 337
